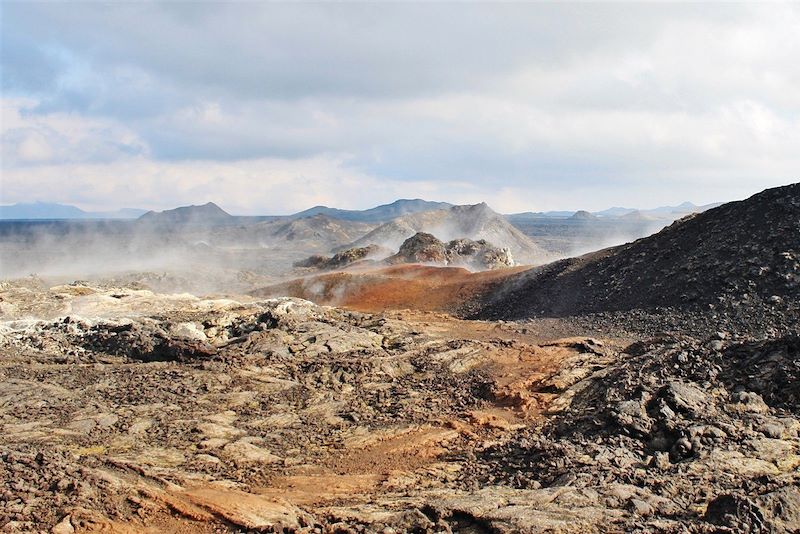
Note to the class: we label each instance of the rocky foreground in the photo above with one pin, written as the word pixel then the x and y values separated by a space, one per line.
pixel 124 410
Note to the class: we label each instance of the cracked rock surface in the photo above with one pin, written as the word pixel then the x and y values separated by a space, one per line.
pixel 124 410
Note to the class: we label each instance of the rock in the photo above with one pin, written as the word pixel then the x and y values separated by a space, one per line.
pixel 426 248
pixel 687 398
pixel 772 430
pixel 420 248
pixel 207 458
pixel 252 512
pixel 681 448
pixel 750 402
pixel 106 420
pixel 641 508
pixel 145 341
pixel 782 509
pixel 63 527
pixel 242 452
pixel 736 512
pixel 83 426
pixel 479 255
pixel 191 331
pixel 632 416
pixel 213 430
pixel 345 258
pixel 661 460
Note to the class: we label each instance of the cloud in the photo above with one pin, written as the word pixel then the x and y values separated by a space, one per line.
pixel 252 186
pixel 527 106
pixel 59 138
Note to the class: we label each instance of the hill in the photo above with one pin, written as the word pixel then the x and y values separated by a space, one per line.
pixel 208 214
pixel 476 222
pixel 583 216
pixel 327 231
pixel 738 253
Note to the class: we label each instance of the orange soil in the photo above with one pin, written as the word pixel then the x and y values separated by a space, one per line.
pixel 417 287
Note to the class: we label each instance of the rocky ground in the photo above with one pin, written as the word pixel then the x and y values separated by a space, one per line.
pixel 652 387
pixel 124 410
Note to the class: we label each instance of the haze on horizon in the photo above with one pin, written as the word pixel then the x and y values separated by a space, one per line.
pixel 273 108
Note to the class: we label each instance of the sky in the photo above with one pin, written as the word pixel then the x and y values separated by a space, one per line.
pixel 269 108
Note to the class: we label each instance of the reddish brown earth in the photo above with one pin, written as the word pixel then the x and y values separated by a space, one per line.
pixel 414 287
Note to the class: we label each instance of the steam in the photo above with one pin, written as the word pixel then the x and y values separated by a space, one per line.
pixel 237 256
pixel 477 222
pixel 605 237
pixel 166 257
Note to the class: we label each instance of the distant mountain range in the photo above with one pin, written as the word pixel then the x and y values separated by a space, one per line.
pixel 48 210
pixel 661 213
pixel 383 213
pixel 210 213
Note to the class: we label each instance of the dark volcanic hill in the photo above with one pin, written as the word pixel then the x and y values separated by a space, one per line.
pixel 739 253
pixel 206 215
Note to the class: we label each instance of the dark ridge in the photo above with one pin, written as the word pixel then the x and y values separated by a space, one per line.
pixel 737 253
pixel 207 214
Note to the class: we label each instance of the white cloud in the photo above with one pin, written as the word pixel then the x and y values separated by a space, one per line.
pixel 61 137
pixel 253 186
pixel 270 108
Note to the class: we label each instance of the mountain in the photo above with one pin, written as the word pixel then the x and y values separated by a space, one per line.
pixel 614 212
pixel 473 222
pixel 675 212
pixel 299 238
pixel 669 213
pixel 636 215
pixel 383 213
pixel 583 216
pixel 48 210
pixel 739 253
pixel 327 231
pixel 530 215
pixel 208 214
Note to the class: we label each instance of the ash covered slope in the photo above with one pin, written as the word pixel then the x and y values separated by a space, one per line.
pixel 744 252
pixel 476 222
pixel 319 228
